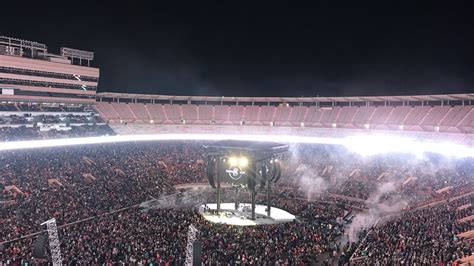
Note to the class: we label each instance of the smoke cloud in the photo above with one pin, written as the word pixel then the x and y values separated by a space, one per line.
pixel 378 208
pixel 310 182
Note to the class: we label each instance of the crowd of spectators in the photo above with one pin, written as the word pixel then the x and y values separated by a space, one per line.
pixel 49 121
pixel 33 133
pixel 361 178
pixel 43 107
pixel 425 236
pixel 4 107
pixel 160 236
pixel 19 133
pixel 94 192
pixel 92 180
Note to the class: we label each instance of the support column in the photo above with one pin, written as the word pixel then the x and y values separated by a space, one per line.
pixel 269 189
pixel 253 204
pixel 218 185
pixel 236 197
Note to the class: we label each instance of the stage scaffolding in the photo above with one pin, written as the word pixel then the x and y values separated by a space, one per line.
pixel 54 244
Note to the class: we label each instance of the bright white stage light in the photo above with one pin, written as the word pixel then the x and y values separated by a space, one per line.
pixel 369 144
pixel 243 161
pixel 232 161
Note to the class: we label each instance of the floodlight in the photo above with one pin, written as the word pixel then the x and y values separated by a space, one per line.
pixel 243 161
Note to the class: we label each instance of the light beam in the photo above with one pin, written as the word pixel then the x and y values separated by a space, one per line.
pixel 369 144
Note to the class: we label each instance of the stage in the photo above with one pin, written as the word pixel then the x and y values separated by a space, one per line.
pixel 242 215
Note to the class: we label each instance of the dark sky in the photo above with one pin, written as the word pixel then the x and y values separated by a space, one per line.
pixel 238 49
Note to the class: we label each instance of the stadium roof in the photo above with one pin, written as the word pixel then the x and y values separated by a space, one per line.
pixel 412 98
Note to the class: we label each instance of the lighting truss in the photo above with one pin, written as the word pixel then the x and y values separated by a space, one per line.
pixel 54 244
pixel 192 231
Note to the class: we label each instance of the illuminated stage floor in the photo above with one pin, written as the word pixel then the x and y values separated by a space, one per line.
pixel 242 216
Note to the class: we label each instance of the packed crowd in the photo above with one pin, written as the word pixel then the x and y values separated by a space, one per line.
pixel 43 107
pixel 334 170
pixel 27 121
pixel 160 236
pixel 34 133
pixel 8 107
pixel 91 181
pixel 16 120
pixel 86 189
pixel 426 236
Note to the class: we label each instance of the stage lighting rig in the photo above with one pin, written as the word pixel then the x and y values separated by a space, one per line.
pixel 244 165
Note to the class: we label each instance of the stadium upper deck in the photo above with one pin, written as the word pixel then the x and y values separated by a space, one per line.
pixel 423 113
pixel 29 73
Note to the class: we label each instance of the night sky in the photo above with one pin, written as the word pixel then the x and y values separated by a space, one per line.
pixel 244 49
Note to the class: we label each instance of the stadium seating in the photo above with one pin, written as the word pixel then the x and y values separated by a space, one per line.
pixel 25 121
pixel 389 209
pixel 411 118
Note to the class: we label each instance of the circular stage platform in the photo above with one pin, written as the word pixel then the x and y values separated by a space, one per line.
pixel 242 215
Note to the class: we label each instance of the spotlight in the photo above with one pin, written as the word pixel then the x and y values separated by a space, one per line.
pixel 334 125
pixel 243 161
pixel 152 121
pixel 302 124
pixel 366 126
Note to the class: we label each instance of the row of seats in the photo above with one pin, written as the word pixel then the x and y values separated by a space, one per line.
pixel 461 117
pixel 38 107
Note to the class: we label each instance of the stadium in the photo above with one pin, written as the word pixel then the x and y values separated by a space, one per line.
pixel 90 177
